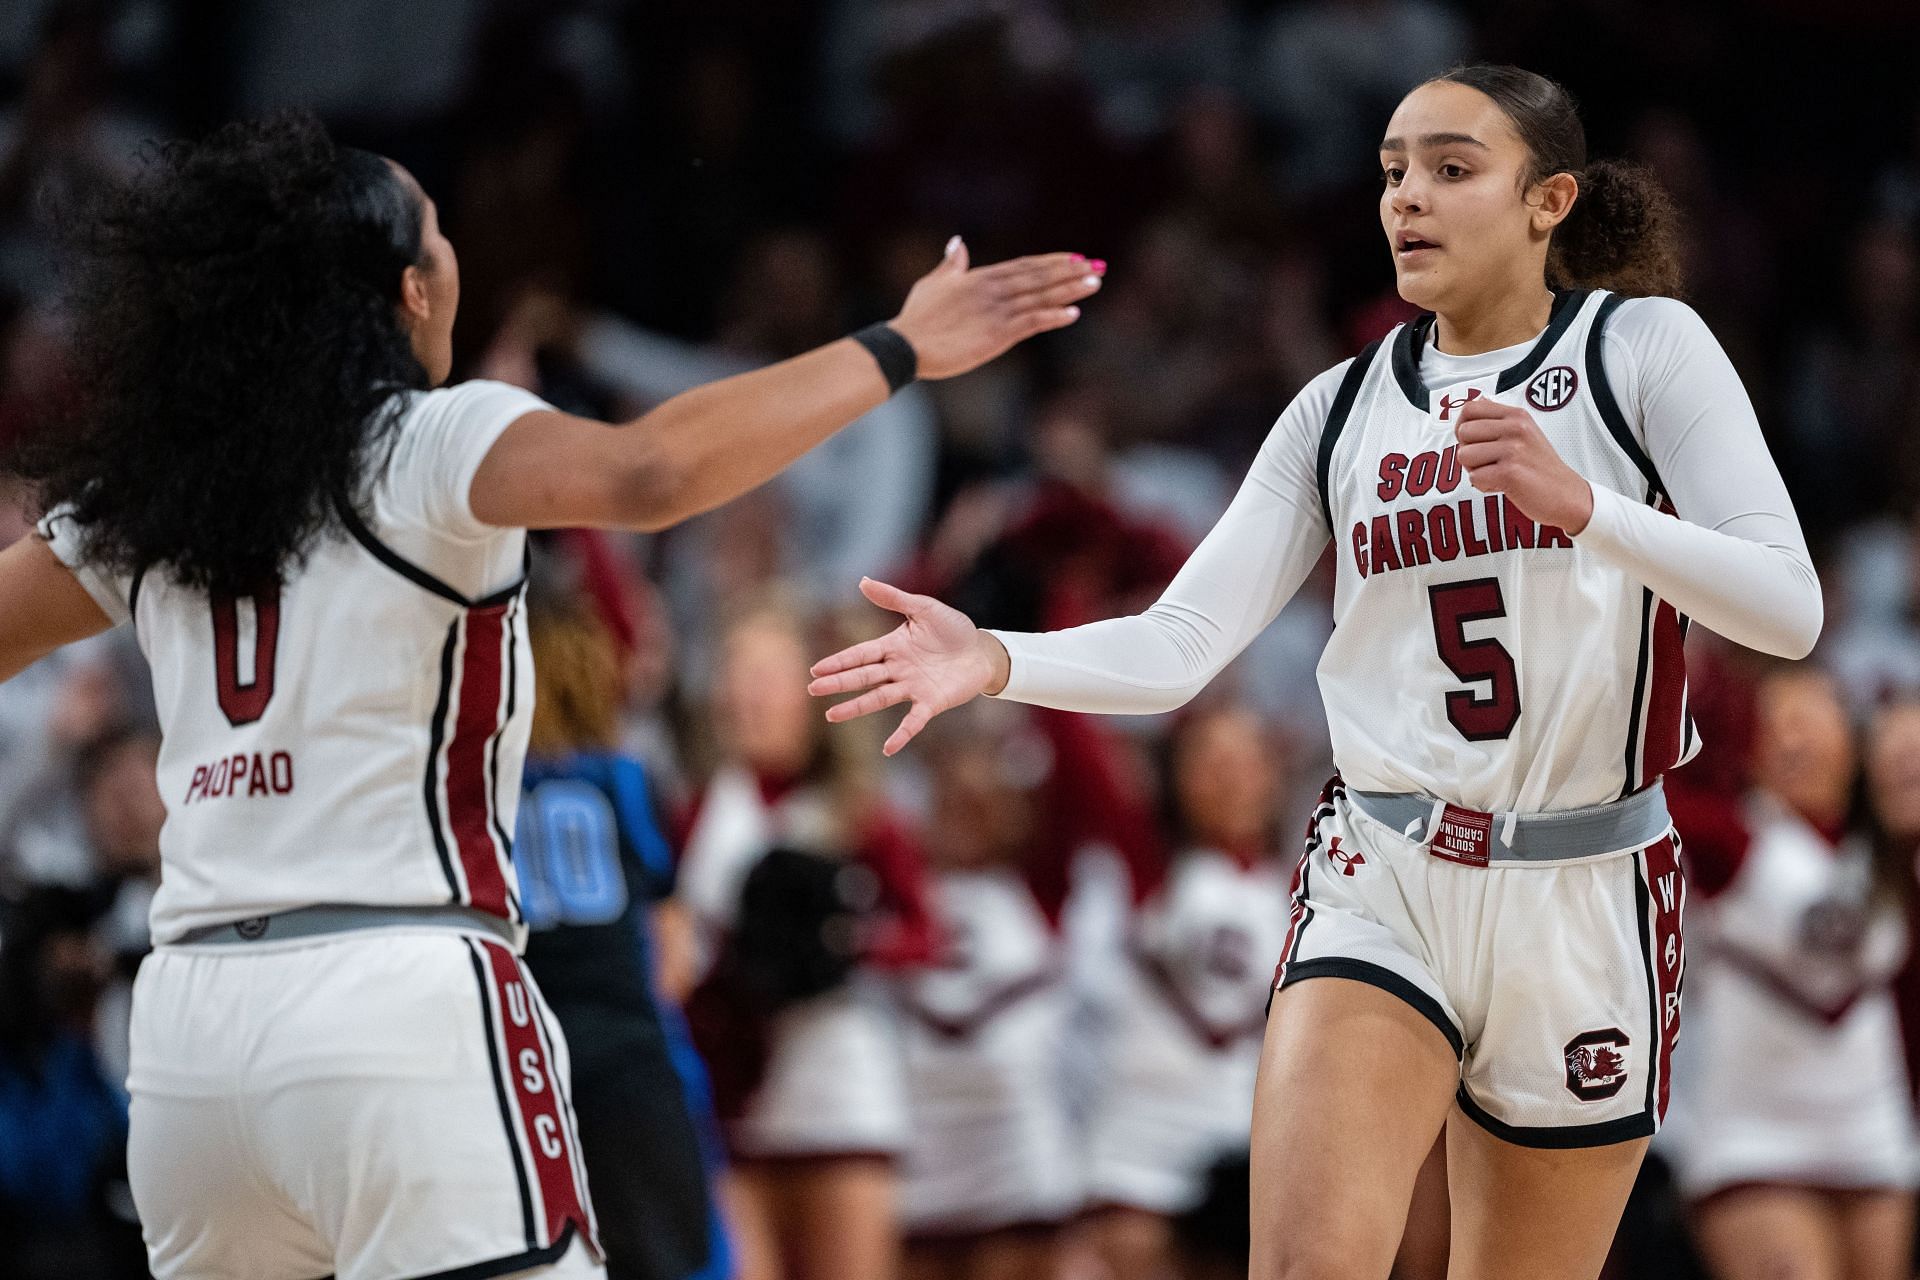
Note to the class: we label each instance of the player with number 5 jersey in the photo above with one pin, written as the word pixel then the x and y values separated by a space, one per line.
pixel 1531 491
pixel 340 1065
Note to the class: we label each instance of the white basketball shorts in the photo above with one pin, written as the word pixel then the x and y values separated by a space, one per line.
pixel 1557 984
pixel 387 1104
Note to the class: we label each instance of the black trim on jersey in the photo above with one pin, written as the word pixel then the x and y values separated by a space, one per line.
pixel 436 739
pixel 1385 979
pixel 412 572
pixel 1407 345
pixel 1566 1137
pixel 509 1266
pixel 133 590
pixel 1566 309
pixel 506 1124
pixel 1629 786
pixel 1337 422
pixel 1605 401
pixel 392 559
pixel 493 759
pixel 1643 904
pixel 1412 340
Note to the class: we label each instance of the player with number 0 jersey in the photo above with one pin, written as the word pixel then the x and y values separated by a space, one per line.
pixel 339 1064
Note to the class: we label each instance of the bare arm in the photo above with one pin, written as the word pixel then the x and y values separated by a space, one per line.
pixel 715 442
pixel 42 606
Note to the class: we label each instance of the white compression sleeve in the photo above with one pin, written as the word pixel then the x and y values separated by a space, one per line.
pixel 1238 578
pixel 1736 560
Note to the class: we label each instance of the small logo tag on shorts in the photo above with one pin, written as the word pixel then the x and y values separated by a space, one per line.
pixel 252 930
pixel 1596 1064
pixel 1463 836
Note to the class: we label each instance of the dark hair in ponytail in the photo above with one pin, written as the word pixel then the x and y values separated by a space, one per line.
pixel 1623 231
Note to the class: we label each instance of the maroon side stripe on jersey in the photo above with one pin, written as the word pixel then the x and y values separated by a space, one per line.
pixel 1667 682
pixel 468 794
pixel 546 1127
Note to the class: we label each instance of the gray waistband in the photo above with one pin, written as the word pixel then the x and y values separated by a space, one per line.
pixel 313 922
pixel 1632 823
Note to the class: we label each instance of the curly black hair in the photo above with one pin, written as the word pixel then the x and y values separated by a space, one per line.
pixel 237 345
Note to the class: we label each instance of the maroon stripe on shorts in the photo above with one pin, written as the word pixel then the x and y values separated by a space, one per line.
pixel 543 1117
pixel 468 796
pixel 1667 888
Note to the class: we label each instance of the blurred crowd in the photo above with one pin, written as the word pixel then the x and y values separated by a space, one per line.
pixel 648 195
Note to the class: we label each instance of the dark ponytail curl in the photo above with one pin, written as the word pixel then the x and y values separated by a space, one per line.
pixel 236 344
pixel 1623 231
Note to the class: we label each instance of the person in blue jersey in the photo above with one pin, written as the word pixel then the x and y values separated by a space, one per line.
pixel 595 874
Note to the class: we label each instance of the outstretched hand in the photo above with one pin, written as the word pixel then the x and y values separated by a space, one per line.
pixel 959 317
pixel 936 660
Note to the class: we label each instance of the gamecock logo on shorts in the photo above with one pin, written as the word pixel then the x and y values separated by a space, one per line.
pixel 1597 1064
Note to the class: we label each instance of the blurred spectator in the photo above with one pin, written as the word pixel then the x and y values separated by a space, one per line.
pixel 596 881
pixel 1792 1127
pixel 792 1015
pixel 1330 72
pixel 61 136
pixel 1143 56
pixel 991 1175
pixel 1210 915
pixel 1853 417
pixel 64 1207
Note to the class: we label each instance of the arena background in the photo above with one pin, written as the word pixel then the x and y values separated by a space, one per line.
pixel 646 194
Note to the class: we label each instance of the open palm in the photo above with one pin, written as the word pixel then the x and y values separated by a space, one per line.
pixel 936 660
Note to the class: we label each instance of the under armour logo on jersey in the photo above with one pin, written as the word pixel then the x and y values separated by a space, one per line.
pixel 1448 403
pixel 1347 858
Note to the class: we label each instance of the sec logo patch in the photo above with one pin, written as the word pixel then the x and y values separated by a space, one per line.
pixel 1551 389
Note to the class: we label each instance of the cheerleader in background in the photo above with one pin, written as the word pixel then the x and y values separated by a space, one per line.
pixel 992 1172
pixel 1206 926
pixel 815 1126
pixel 1793 1128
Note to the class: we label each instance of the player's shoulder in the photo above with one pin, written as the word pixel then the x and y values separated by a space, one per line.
pixel 1307 413
pixel 1645 322
pixel 426 408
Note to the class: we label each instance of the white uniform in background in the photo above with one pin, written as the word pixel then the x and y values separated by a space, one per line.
pixel 985 1030
pixel 1494 685
pixel 380 1101
pixel 1178 1092
pixel 833 1084
pixel 1793 1069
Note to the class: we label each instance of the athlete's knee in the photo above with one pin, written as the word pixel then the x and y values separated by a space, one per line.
pixel 1319 1256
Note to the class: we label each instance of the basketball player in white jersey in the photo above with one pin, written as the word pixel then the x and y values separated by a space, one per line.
pixel 1485 933
pixel 338 1065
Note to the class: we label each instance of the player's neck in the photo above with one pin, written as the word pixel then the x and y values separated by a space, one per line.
pixel 1506 319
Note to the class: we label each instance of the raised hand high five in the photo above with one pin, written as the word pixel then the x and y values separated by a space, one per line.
pixel 958 317
pixel 936 660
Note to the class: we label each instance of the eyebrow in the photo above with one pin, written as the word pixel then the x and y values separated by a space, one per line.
pixel 1429 140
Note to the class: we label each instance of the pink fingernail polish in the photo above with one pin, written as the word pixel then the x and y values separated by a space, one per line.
pixel 1078 257
pixel 1100 265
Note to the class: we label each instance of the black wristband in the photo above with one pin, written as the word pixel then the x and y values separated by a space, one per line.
pixel 892 352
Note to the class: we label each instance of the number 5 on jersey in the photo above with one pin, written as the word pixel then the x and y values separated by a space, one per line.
pixel 1454 605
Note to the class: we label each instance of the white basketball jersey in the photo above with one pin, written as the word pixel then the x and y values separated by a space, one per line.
pixel 1477 656
pixel 354 733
